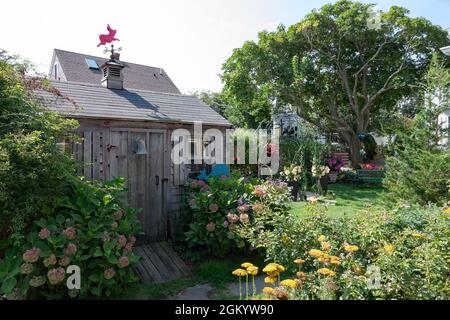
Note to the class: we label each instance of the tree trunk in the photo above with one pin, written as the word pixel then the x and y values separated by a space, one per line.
pixel 355 148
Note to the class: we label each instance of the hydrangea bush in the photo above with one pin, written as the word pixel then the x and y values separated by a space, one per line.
pixel 220 207
pixel 90 229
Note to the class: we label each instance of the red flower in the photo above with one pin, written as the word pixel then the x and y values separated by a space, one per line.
pixel 123 262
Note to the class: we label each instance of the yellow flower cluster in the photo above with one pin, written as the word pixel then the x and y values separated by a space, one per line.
pixel 273 271
pixel 239 273
pixel 315 253
pixel 326 272
pixel 351 248
pixel 389 248
pixel 299 261
pixel 289 283
pixel 268 290
pixel 447 210
pixel 418 235
pixel 252 270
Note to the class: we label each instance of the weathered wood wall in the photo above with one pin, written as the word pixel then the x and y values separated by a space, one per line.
pixel 154 183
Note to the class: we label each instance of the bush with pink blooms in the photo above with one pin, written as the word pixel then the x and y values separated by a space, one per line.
pixel 91 229
pixel 218 208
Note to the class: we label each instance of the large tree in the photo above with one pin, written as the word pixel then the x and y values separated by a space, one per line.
pixel 338 71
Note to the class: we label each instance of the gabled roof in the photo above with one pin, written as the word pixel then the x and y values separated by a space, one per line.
pixel 97 102
pixel 136 76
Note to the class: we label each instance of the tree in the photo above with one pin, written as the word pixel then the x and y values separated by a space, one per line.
pixel 336 70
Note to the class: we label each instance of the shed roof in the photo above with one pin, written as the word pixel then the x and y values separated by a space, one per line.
pixel 97 102
pixel 136 76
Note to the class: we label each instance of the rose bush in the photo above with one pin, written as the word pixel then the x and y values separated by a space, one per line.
pixel 90 228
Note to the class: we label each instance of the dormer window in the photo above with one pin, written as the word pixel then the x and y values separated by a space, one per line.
pixel 55 71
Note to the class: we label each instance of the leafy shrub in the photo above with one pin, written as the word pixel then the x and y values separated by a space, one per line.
pixel 89 228
pixel 219 207
pixel 339 258
pixel 32 168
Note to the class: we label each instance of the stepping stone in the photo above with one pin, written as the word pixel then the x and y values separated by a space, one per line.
pixel 198 292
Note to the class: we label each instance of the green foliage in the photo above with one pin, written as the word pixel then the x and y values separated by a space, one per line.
pixel 337 72
pixel 408 245
pixel 90 228
pixel 419 169
pixel 32 168
pixel 219 207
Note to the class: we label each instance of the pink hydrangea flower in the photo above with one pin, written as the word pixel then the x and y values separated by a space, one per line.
pixel 123 262
pixel 64 261
pixel 201 183
pixel 128 247
pixel 132 239
pixel 106 237
pixel 31 255
pixel 192 203
pixel 37 281
pixel 26 268
pixel 243 208
pixel 225 224
pixel 119 214
pixel 56 275
pixel 259 192
pixel 213 207
pixel 44 233
pixel 114 225
pixel 232 217
pixel 71 249
pixel 204 188
pixel 211 227
pixel 257 206
pixel 70 233
pixel 244 218
pixel 50 260
pixel 122 241
pixel 109 273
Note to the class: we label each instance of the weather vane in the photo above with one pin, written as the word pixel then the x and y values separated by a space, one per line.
pixel 109 38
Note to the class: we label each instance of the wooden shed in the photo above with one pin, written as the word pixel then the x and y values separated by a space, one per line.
pixel 127 131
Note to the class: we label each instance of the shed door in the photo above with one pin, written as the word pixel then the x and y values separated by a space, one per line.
pixel 144 174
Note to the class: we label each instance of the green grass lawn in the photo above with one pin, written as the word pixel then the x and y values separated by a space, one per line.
pixel 350 199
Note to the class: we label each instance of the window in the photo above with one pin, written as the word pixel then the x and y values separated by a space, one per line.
pixel 55 71
pixel 92 64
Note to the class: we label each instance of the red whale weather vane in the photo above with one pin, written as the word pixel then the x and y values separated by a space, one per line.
pixel 109 38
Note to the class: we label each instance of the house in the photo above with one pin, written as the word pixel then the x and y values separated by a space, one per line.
pixel 127 113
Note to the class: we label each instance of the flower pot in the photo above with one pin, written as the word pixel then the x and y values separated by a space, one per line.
pixel 333 176
pixel 324 184
pixel 294 189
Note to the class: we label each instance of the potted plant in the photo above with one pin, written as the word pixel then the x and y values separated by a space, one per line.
pixel 335 163
pixel 292 175
pixel 321 172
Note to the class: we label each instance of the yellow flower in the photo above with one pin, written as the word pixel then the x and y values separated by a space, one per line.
pixel 322 238
pixel 418 235
pixel 246 265
pixel 252 270
pixel 289 283
pixel 270 268
pixel 325 246
pixel 335 262
pixel 351 248
pixel 270 280
pixel 326 272
pixel 389 248
pixel 301 275
pixel 447 210
pixel 315 253
pixel 268 290
pixel 299 261
pixel 239 272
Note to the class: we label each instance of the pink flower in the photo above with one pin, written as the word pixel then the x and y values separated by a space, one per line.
pixel 44 233
pixel 132 240
pixel 128 247
pixel 122 241
pixel 119 214
pixel 123 262
pixel 109 273
pixel 31 255
pixel 114 225
pixel 244 218
pixel 192 203
pixel 213 207
pixel 257 206
pixel 211 227
pixel 70 233
pixel 204 188
pixel 26 268
pixel 243 208
pixel 259 192
pixel 64 261
pixel 56 275
pixel 201 183
pixel 193 185
pixel 71 249
pixel 50 260
pixel 232 217
pixel 225 224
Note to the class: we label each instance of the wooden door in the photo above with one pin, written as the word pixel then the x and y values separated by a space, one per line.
pixel 144 174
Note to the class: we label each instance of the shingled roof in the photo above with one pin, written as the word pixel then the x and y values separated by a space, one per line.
pixel 73 68
pixel 95 101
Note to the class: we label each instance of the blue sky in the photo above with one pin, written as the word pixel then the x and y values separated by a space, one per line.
pixel 189 39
